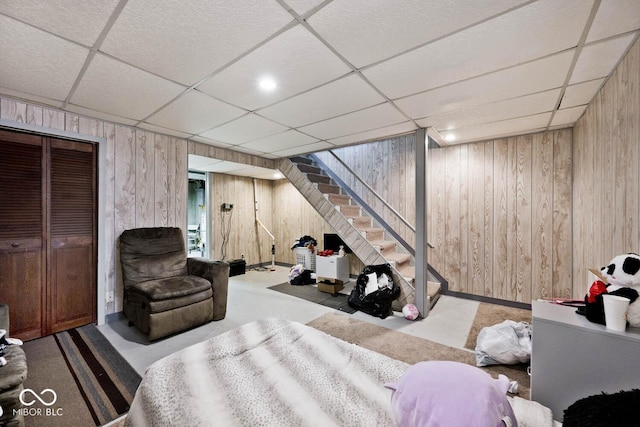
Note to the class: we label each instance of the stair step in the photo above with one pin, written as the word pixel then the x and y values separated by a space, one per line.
pixel 350 211
pixel 433 288
pixel 361 222
pixel 408 271
pixel 314 177
pixel 304 168
pixel 300 159
pixel 373 234
pixel 328 188
pixel 384 245
pixel 397 258
pixel 339 199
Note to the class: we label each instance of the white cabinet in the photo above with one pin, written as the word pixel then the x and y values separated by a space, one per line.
pixel 333 267
pixel 572 358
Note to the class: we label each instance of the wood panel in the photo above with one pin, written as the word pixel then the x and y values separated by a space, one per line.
pixel 562 214
pixel 503 210
pixel 606 165
pixel 542 225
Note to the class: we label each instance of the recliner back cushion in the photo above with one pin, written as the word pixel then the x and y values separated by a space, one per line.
pixel 152 253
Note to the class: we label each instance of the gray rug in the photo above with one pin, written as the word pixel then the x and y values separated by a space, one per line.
pixel 312 294
pixel 408 348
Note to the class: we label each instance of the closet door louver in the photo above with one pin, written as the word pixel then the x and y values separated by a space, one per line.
pixel 22 230
pixel 72 226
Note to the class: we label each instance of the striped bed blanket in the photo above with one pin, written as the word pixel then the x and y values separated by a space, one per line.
pixel 270 372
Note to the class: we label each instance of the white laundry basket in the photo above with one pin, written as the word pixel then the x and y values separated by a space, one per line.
pixel 305 257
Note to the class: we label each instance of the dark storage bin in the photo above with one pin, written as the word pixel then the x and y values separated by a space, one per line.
pixel 237 266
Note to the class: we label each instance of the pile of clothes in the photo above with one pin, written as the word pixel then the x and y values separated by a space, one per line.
pixel 306 242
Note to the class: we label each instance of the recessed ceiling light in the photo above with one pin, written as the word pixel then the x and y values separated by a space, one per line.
pixel 449 137
pixel 277 175
pixel 267 84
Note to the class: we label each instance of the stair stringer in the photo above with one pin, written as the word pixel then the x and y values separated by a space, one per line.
pixel 353 238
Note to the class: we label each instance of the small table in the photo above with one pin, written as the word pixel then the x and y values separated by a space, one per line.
pixel 572 358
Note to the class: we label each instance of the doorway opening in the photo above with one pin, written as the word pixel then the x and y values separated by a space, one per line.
pixel 197 242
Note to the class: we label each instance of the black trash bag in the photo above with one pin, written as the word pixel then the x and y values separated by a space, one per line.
pixel 303 278
pixel 377 303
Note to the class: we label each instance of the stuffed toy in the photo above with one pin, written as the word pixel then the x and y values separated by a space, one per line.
pixel 622 276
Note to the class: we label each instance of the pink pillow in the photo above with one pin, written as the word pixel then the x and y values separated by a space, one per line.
pixel 450 394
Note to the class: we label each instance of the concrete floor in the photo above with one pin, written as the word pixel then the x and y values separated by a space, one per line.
pixel 249 299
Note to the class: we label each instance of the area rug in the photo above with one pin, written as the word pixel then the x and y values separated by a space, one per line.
pixel 492 314
pixel 408 348
pixel 76 378
pixel 311 293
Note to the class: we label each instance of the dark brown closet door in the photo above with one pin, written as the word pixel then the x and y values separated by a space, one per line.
pixel 22 227
pixel 72 250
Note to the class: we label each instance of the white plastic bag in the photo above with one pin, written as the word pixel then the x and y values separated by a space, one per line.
pixel 506 343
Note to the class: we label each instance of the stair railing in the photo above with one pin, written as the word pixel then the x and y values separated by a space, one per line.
pixel 363 204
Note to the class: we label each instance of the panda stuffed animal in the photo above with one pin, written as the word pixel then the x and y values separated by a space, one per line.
pixel 623 279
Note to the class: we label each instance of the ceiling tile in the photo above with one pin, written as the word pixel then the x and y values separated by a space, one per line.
pixel 366 31
pixel 296 60
pixel 163 130
pixel 31 60
pixel 375 117
pixel 504 128
pixel 303 149
pixel 490 46
pixel 615 17
pixel 568 116
pixel 200 162
pixel 194 113
pixel 598 59
pixel 100 115
pixel 493 112
pixel 278 142
pixel 370 135
pixel 119 89
pixel 243 129
pixel 258 172
pixel 529 78
pixel 77 20
pixel 303 6
pixel 580 93
pixel 331 100
pixel 187 41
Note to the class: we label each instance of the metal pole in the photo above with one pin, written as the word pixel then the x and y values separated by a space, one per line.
pixel 422 144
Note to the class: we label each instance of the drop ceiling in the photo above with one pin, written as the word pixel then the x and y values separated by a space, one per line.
pixel 347 71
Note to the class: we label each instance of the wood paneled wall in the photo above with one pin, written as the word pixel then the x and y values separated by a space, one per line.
pixel 143 178
pixel 387 166
pixel 246 237
pixel 606 191
pixel 296 218
pixel 499 212
pixel 500 216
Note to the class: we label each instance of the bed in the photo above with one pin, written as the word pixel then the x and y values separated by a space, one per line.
pixel 270 372
pixel 275 372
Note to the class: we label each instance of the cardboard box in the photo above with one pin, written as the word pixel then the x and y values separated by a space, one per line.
pixel 332 288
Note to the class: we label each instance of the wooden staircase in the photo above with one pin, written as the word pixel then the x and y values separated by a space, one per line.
pixel 355 228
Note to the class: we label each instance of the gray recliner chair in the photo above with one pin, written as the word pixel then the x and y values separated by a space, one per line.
pixel 164 291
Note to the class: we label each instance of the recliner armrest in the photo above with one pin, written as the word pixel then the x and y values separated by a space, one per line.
pixel 216 272
pixel 4 317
